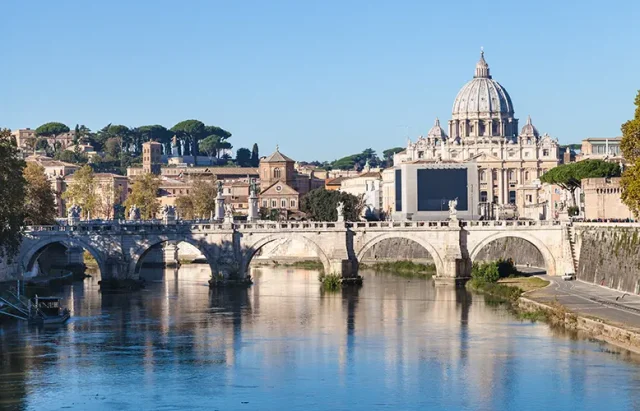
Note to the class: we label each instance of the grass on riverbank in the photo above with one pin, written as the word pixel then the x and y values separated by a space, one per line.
pixel 404 268
pixel 306 264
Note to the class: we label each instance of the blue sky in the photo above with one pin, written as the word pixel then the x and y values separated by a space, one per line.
pixel 322 79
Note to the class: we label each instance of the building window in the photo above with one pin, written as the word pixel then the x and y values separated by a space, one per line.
pixel 483 175
pixel 283 203
pixel 545 152
pixel 512 197
pixel 526 176
pixel 494 175
pixel 274 203
pixel 512 175
pixel 276 172
pixel 293 203
pixel 495 199
pixel 529 140
pixel 526 154
pixel 420 154
pixel 529 198
pixel 483 196
pixel 264 203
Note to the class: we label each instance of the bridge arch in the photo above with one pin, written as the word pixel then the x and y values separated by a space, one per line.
pixel 250 251
pixel 143 249
pixel 30 255
pixel 437 259
pixel 549 260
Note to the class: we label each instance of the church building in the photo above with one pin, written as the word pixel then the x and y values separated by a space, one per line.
pixel 483 129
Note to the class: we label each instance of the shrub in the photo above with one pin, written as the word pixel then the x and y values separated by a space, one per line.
pixel 331 282
pixel 485 272
pixel 506 268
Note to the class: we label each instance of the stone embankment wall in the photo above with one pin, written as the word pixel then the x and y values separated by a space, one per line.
pixel 593 328
pixel 609 256
pixel 520 251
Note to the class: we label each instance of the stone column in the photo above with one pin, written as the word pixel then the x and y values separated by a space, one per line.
pixel 219 216
pixel 501 186
pixel 490 184
pixel 253 213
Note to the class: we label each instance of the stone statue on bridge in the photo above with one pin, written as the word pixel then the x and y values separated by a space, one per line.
pixel 219 188
pixel 228 213
pixel 74 211
pixel 134 212
pixel 453 212
pixel 340 210
pixel 73 214
pixel 168 214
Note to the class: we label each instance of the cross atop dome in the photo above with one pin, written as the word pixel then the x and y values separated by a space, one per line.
pixel 482 68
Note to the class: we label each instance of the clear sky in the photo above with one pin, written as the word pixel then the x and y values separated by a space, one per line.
pixel 322 79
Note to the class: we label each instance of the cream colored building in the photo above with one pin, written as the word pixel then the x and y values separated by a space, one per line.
pixel 483 128
pixel 23 137
pixel 367 184
pixel 602 199
pixel 600 148
pixel 56 171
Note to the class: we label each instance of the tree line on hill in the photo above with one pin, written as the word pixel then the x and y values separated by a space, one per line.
pixel 122 145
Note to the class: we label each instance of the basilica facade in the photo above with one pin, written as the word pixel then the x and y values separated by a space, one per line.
pixel 483 129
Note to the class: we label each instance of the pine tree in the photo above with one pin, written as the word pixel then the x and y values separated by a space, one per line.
pixel 39 205
pixel 630 146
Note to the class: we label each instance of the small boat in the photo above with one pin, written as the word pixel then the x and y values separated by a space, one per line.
pixel 47 310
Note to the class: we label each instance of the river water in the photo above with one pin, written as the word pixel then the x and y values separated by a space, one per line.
pixel 396 343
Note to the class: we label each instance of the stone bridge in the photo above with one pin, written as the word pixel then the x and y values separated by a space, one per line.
pixel 119 248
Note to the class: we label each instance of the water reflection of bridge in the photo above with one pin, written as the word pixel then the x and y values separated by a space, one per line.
pixel 120 248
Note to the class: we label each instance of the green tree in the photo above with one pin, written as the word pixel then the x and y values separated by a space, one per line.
pixel 243 157
pixel 39 204
pixel 190 132
pixel 357 161
pixel 52 130
pixel 209 145
pixel 157 133
pixel 82 191
pixel 321 205
pixel 185 208
pixel 389 153
pixel 203 193
pixel 255 156
pixel 113 147
pixel 630 146
pixel 144 194
pixel 569 176
pixel 12 195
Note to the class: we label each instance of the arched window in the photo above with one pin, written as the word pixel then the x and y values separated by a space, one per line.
pixel 283 203
pixel 512 175
pixel 293 203
pixel 526 176
pixel 276 172
pixel 483 175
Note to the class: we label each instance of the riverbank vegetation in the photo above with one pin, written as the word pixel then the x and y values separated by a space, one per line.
pixel 501 279
pixel 331 282
pixel 404 268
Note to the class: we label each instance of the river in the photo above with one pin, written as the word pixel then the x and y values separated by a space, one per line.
pixel 395 343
